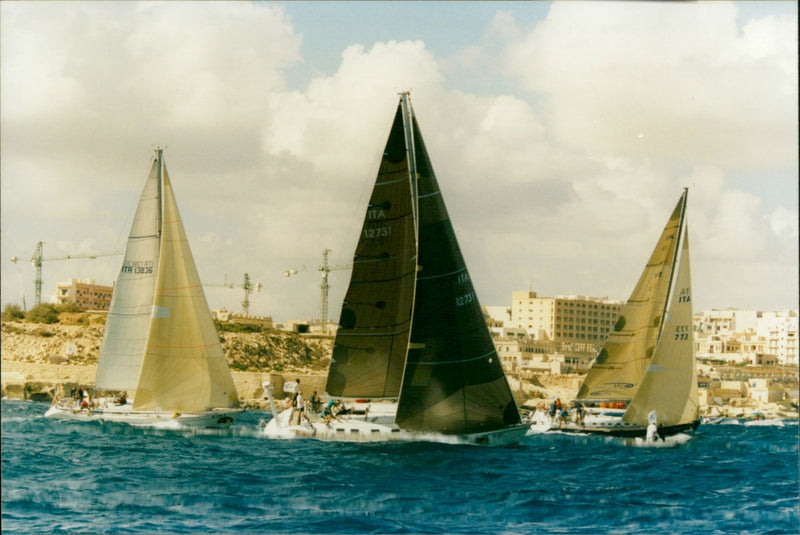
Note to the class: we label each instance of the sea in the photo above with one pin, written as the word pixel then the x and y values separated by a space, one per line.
pixel 68 477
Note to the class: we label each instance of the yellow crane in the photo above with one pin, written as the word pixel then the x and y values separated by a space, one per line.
pixel 246 285
pixel 325 268
pixel 38 258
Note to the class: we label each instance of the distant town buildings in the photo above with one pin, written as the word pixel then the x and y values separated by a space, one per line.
pixel 556 334
pixel 747 336
pixel 84 293
pixel 563 334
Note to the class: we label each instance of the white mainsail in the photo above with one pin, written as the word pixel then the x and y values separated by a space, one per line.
pixel 670 385
pixel 128 319
pixel 184 367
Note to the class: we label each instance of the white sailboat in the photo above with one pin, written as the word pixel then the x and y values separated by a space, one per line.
pixel 159 341
pixel 413 358
pixel 646 369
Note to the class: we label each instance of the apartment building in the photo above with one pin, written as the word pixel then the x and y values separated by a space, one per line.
pixel 85 293
pixel 583 322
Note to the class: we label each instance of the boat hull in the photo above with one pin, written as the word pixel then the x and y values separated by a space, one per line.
pixel 214 418
pixel 362 428
pixel 621 429
pixel 603 424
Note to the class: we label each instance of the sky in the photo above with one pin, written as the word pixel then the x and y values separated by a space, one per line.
pixel 562 135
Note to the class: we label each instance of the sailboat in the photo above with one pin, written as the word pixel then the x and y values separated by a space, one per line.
pixel 413 358
pixel 646 370
pixel 159 341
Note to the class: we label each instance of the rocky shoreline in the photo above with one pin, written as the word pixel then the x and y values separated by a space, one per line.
pixel 37 358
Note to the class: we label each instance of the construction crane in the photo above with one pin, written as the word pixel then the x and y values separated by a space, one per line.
pixel 246 285
pixel 325 268
pixel 38 258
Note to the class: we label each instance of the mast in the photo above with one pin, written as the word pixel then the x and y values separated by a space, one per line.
pixel 408 130
pixel 159 162
pixel 674 263
pixel 408 124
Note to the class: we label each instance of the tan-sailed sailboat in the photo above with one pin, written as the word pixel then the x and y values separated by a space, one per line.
pixel 160 341
pixel 646 370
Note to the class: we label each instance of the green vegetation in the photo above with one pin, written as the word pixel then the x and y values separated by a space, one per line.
pixel 232 327
pixel 44 313
pixel 68 307
pixel 12 312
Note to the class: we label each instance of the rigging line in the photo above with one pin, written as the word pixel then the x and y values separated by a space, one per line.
pixel 454 361
pixel 443 274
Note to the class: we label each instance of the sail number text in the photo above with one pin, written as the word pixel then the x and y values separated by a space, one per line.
pixel 685 296
pixel 466 299
pixel 138 267
pixel 682 332
pixel 377 232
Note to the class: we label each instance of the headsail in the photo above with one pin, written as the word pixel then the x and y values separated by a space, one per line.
pixel 670 385
pixel 370 348
pixel 453 382
pixel 128 319
pixel 622 362
pixel 184 368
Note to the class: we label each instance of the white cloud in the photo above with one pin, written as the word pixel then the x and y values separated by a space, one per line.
pixel 565 184
pixel 685 77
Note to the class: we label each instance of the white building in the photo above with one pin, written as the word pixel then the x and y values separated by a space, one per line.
pixel 582 321
pixel 747 336
pixel 779 329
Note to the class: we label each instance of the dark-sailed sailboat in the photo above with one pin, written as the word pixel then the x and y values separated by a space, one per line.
pixel 412 343
pixel 646 371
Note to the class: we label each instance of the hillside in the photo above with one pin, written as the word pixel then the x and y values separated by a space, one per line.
pixel 76 340
pixel 36 356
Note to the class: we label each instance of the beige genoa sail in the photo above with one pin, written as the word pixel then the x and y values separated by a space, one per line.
pixel 670 385
pixel 184 368
pixel 622 362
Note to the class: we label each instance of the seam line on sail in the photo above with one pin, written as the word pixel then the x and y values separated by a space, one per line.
pixel 161 291
pixel 391 181
pixel 429 194
pixel 394 333
pixel 442 275
pixel 455 361
pixel 371 281
pixel 154 346
pixel 384 220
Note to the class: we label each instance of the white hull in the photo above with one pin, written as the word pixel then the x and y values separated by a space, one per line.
pixel 107 411
pixel 673 441
pixel 364 428
pixel 541 422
